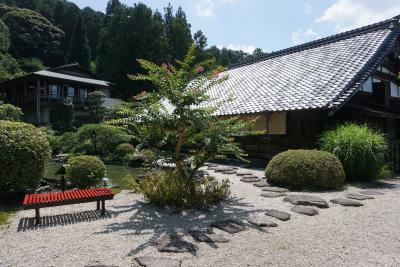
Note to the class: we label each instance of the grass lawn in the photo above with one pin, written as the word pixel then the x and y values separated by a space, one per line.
pixel 5 214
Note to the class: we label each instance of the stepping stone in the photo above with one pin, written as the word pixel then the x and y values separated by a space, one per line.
pixel 372 192
pixel 272 194
pixel 261 184
pixel 207 236
pixel 260 221
pixel 148 261
pixel 243 173
pixel 275 189
pixel 305 210
pixel 307 201
pixel 283 216
pixel 250 179
pixel 222 169
pixel 229 172
pixel 347 202
pixel 172 243
pixel 358 196
pixel 251 176
pixel 230 226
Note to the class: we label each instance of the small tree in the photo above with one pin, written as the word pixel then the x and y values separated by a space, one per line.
pixel 176 120
pixel 10 112
pixel 95 106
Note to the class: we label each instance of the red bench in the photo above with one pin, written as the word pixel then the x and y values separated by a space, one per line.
pixel 52 199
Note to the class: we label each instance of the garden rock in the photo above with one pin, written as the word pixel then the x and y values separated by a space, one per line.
pixel 230 226
pixel 275 189
pixel 272 194
pixel 372 192
pixel 305 210
pixel 347 202
pixel 42 189
pixel 207 236
pixel 307 201
pixel 229 172
pixel 358 196
pixel 250 179
pixel 174 244
pixel 283 216
pixel 243 173
pixel 148 261
pixel 260 221
pixel 261 184
pixel 222 169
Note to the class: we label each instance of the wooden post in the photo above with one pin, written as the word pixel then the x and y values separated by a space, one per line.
pixel 37 212
pixel 103 207
pixel 38 101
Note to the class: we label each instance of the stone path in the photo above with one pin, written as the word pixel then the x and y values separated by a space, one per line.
pixel 230 226
pixel 275 189
pixel 372 193
pixel 272 194
pixel 207 236
pixel 347 202
pixel 261 221
pixel 305 210
pixel 307 201
pixel 173 243
pixel 359 196
pixel 283 216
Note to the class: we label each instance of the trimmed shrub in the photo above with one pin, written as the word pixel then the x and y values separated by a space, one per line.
pixel 10 112
pixel 164 188
pixel 361 150
pixel 24 153
pixel 122 150
pixel 305 170
pixel 85 171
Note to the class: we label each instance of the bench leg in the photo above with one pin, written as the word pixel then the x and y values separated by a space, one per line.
pixel 103 207
pixel 37 213
pixel 98 205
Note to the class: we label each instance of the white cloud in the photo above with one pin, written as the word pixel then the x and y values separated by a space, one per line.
pixel 245 48
pixel 205 8
pixel 350 14
pixel 300 36
pixel 307 8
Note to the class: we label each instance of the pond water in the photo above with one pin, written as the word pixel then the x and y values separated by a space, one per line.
pixel 114 171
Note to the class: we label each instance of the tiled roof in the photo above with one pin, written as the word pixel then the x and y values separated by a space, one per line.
pixel 51 74
pixel 322 74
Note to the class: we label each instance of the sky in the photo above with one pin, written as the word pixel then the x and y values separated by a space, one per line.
pixel 270 24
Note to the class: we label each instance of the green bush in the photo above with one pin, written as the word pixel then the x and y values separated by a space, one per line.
pixel 24 153
pixel 85 171
pixel 123 150
pixel 163 188
pixel 10 112
pixel 361 150
pixel 305 170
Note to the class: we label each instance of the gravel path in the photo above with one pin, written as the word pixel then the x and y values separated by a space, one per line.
pixel 75 235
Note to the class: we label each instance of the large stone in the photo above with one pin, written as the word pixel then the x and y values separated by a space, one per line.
pixel 243 173
pixel 250 179
pixel 222 169
pixel 305 210
pixel 272 194
pixel 173 243
pixel 261 221
pixel 372 193
pixel 229 172
pixel 347 202
pixel 148 261
pixel 307 201
pixel 358 196
pixel 283 216
pixel 261 184
pixel 207 236
pixel 230 226
pixel 275 189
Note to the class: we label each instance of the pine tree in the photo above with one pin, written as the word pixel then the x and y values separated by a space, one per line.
pixel 79 49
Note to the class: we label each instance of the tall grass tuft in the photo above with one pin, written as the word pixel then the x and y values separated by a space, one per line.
pixel 361 150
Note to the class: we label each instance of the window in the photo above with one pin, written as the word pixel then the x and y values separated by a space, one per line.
pixel 54 91
pixel 394 90
pixel 367 86
pixel 83 94
pixel 70 92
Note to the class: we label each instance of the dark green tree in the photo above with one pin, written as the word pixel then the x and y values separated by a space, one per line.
pixel 79 49
pixel 4 37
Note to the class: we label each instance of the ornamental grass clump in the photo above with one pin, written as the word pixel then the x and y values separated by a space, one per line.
pixel 361 150
pixel 300 169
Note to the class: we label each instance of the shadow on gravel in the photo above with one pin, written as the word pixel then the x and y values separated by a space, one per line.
pixel 154 221
pixel 28 223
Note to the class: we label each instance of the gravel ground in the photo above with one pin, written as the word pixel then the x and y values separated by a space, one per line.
pixel 76 235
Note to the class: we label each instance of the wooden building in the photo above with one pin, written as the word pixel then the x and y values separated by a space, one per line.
pixel 299 92
pixel 41 93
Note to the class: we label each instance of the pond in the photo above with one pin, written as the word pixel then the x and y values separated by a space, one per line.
pixel 114 171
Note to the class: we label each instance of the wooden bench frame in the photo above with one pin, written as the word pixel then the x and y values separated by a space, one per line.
pixel 70 197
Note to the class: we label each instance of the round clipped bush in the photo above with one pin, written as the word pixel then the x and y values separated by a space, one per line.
pixel 361 150
pixel 122 150
pixel 24 153
pixel 85 171
pixel 305 170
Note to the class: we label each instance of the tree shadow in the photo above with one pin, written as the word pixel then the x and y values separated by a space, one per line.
pixel 28 223
pixel 154 221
